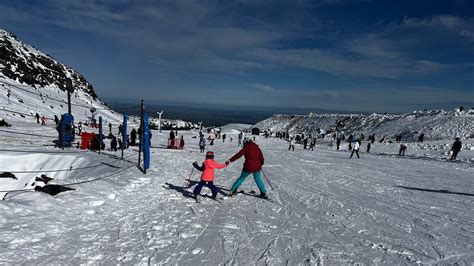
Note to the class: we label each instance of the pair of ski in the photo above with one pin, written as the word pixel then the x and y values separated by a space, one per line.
pixel 219 200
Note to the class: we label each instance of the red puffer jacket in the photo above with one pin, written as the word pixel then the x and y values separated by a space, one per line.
pixel 253 157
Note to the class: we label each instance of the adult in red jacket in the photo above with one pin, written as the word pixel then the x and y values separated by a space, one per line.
pixel 252 165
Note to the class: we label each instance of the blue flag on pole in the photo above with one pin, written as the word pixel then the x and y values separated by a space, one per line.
pixel 146 146
pixel 124 130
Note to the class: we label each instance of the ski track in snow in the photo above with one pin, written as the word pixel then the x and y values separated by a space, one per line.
pixel 326 208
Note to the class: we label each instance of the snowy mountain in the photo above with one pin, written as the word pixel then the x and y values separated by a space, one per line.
pixel 33 82
pixel 27 65
pixel 434 124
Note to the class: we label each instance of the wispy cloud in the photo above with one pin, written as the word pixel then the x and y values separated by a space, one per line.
pixel 262 87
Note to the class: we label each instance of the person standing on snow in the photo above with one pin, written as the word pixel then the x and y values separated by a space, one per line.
pixel 402 150
pixel 56 120
pixel 253 165
pixel 133 137
pixel 292 144
pixel 240 139
pixel 421 137
pixel 338 143
pixel 79 127
pixel 368 146
pixel 43 120
pixel 355 149
pixel 181 142
pixel 113 144
pixel 202 143
pixel 37 116
pixel 312 142
pixel 457 145
pixel 172 137
pixel 207 177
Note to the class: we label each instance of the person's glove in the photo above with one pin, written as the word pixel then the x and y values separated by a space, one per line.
pixel 227 162
pixel 195 163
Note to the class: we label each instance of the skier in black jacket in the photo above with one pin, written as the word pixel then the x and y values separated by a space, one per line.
pixel 457 145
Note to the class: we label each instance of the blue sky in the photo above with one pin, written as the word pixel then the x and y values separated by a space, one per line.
pixel 360 55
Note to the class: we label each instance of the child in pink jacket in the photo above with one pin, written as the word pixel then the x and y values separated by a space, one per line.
pixel 207 177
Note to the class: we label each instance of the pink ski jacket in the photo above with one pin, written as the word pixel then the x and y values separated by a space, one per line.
pixel 210 165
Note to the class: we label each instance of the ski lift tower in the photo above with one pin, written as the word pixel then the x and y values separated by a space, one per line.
pixel 66 124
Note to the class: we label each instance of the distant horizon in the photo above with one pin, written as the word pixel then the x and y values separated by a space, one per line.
pixel 284 109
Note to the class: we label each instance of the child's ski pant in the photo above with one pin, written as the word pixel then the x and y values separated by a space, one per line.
pixel 209 184
pixel 244 175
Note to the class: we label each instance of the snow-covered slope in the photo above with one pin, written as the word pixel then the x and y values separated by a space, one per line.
pixel 234 129
pixel 32 82
pixel 25 101
pixel 434 124
pixel 325 209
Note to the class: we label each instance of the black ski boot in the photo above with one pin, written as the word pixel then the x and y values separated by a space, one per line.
pixel 263 195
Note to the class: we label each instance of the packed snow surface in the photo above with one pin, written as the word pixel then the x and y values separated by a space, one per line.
pixel 325 208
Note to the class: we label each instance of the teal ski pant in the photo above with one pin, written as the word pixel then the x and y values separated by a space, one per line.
pixel 244 175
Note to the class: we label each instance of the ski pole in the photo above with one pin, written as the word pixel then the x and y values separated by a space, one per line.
pixel 264 175
pixel 188 181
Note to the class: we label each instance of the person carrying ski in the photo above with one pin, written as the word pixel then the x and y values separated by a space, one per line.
pixel 457 145
pixel 207 178
pixel 355 148
pixel 253 165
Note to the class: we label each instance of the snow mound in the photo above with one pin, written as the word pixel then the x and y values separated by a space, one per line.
pixel 234 129
pixel 32 162
pixel 437 124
